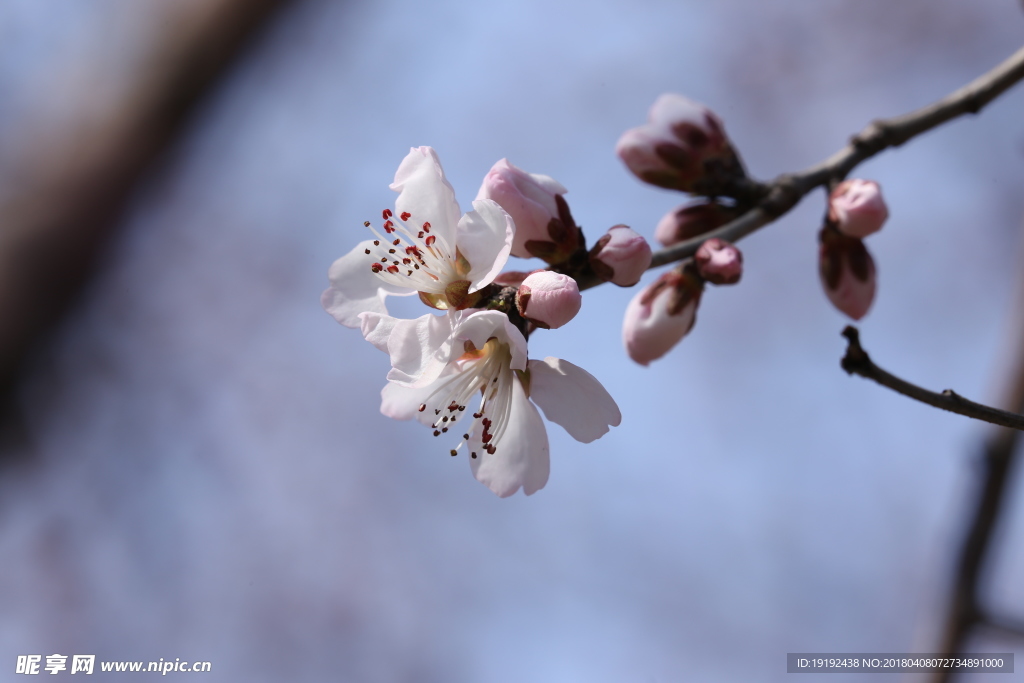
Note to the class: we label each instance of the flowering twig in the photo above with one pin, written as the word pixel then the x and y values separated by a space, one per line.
pixel 857 362
pixel 788 189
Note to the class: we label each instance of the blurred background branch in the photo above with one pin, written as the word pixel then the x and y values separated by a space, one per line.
pixel 75 182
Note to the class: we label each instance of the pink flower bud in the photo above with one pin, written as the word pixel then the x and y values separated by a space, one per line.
pixel 548 299
pixel 682 143
pixel 847 273
pixel 719 262
pixel 856 208
pixel 692 220
pixel 661 315
pixel 621 256
pixel 544 226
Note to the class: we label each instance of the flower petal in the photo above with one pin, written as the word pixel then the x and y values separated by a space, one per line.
pixel 403 403
pixel 485 239
pixel 355 289
pixel 571 397
pixel 479 326
pixel 420 349
pixel 521 457
pixel 426 194
pixel 376 328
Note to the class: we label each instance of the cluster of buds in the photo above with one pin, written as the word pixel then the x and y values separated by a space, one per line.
pixel 855 210
pixel 683 146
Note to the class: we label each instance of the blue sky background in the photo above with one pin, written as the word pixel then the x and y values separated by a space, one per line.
pixel 208 475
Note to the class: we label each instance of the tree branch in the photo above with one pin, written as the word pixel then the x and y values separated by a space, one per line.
pixel 857 362
pixel 786 191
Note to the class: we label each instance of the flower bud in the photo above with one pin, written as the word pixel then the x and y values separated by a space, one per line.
pixel 719 262
pixel 544 226
pixel 621 256
pixel 682 147
pixel 661 315
pixel 692 220
pixel 847 272
pixel 548 299
pixel 856 208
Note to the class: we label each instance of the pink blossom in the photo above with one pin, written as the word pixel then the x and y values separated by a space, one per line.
pixel 719 262
pixel 661 315
pixel 856 208
pixel 692 220
pixel 621 256
pixel 423 247
pixel 847 273
pixel 544 225
pixel 680 144
pixel 440 364
pixel 548 299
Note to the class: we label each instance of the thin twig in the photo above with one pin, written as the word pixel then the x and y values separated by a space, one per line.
pixel 786 191
pixel 857 362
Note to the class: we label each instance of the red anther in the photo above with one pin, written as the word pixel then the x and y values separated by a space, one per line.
pixel 376 243
pixel 376 267
pixel 423 406
pixel 405 216
pixel 490 448
pixel 387 214
pixel 406 261
pixel 430 240
pixel 414 251
pixel 486 437
pixel 367 251
pixel 453 406
pixel 397 241
pixel 393 269
pixel 389 226
pixel 473 455
pixel 366 224
pixel 426 227
pixel 437 433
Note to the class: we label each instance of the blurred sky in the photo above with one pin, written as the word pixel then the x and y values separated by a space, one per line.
pixel 208 476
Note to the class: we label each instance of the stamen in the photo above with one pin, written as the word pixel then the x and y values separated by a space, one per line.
pixel 406 215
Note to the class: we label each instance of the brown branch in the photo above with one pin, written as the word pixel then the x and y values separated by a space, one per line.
pixel 786 191
pixel 67 190
pixel 857 362
pixel 994 476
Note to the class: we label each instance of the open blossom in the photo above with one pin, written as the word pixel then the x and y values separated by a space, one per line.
pixel 467 373
pixel 661 314
pixel 423 246
pixel 856 207
pixel 544 226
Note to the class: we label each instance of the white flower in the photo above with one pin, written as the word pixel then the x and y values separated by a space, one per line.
pixel 468 373
pixel 423 246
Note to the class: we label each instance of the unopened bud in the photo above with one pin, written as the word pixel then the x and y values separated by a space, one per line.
pixel 847 272
pixel 621 256
pixel 661 314
pixel 719 262
pixel 544 225
pixel 682 147
pixel 856 208
pixel 548 299
pixel 692 220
